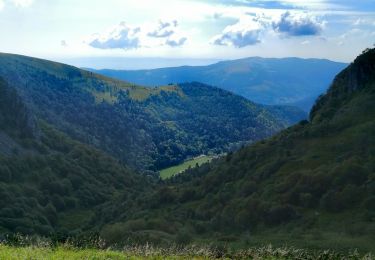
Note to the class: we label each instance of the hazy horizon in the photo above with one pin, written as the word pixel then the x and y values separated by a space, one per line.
pixel 119 63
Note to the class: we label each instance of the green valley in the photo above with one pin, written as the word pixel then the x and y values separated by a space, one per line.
pixel 304 186
pixel 147 129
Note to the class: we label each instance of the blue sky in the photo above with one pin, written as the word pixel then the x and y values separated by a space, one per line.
pixel 94 32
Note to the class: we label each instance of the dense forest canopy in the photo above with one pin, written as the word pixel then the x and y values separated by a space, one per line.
pixel 48 182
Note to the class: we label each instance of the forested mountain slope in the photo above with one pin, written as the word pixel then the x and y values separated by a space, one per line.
pixel 313 184
pixel 48 182
pixel 147 129
pixel 272 81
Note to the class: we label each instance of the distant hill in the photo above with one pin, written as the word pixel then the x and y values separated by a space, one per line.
pixel 312 185
pixel 147 129
pixel 271 81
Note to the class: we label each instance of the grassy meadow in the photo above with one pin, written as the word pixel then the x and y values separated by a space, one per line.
pixel 171 171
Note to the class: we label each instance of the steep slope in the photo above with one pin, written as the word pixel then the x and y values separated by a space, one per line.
pixel 15 118
pixel 148 129
pixel 311 185
pixel 290 81
pixel 48 182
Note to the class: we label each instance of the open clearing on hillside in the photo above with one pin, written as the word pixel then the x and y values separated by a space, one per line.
pixel 171 171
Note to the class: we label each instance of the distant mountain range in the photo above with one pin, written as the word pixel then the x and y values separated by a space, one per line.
pixel 287 81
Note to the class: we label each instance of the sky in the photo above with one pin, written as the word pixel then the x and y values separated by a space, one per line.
pixel 134 34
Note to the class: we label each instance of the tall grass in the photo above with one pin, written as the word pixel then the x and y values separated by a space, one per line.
pixel 19 247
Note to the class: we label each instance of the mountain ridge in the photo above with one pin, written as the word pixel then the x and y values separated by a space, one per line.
pixel 272 81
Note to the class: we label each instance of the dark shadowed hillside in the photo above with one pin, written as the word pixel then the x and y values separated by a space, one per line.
pixel 145 128
pixel 311 185
pixel 48 182
pixel 289 81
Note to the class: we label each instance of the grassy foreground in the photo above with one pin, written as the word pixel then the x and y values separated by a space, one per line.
pixel 149 252
pixel 7 252
pixel 171 171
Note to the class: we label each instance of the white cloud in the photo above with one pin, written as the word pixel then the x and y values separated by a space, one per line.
pixel 253 26
pixel 124 36
pixel 245 32
pixel 176 42
pixel 164 29
pixel 169 31
pixel 1 4
pixel 297 24
pixel 119 37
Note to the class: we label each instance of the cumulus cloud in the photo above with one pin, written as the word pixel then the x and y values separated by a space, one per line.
pixel 169 31
pixel 120 37
pixel 245 32
pixel 164 29
pixel 124 36
pixel 297 25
